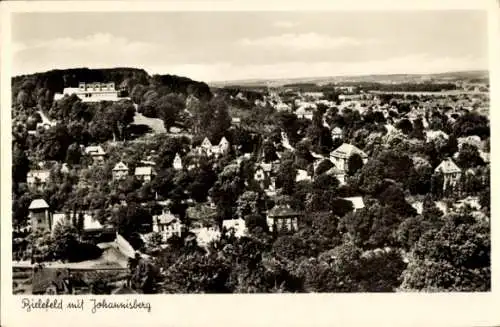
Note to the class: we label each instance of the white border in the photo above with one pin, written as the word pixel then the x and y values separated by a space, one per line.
pixel 250 310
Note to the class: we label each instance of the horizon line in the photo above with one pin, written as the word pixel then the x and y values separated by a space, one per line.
pixel 483 70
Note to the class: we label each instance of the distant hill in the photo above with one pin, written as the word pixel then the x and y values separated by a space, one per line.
pixel 399 78
pixel 54 81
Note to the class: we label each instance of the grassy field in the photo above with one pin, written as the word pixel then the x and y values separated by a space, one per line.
pixel 155 124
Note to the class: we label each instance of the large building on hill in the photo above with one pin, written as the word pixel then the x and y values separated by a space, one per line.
pixel 91 92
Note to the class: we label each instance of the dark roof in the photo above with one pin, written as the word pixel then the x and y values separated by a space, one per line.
pixel 283 211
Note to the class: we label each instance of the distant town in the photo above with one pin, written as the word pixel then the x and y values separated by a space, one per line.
pixel 127 183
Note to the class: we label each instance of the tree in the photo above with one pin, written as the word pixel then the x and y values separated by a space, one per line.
pixel 130 220
pixel 197 273
pixel 55 143
pixel 469 157
pixel 336 270
pixel 472 123
pixel 354 163
pixel 248 204
pixel 285 176
pixel 66 246
pixel 117 117
pixel 20 165
pixel 372 227
pixel 405 126
pixel 453 258
pixel 323 167
pixel 73 154
pixel 385 165
pixel 210 118
pixel 168 108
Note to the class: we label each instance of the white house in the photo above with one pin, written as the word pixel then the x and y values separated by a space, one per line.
pixel 177 164
pixel 357 202
pixel 120 171
pixel 91 92
pixel 305 111
pixel 207 148
pixel 337 133
pixel 302 175
pixel 167 225
pixel 340 155
pixel 236 225
pixel 450 171
pixel 144 173
pixel 96 152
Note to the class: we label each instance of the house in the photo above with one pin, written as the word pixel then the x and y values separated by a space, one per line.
pixel 39 215
pixel 46 125
pixel 205 235
pixel 65 168
pixel 236 225
pixel 305 111
pixel 339 174
pixel 302 175
pixel 340 155
pixel 120 171
pixel 357 202
pixel 144 173
pixel 282 218
pixel 263 172
pixel 167 225
pixel 337 133
pixel 236 121
pixel 96 152
pixel 450 171
pixel 207 148
pixel 91 92
pixel 260 174
pixel 177 164
pixel 37 178
pixel 223 146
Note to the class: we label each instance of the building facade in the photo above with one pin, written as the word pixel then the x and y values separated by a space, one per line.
pixel 91 92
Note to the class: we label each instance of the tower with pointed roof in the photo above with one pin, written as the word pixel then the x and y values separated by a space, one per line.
pixel 39 215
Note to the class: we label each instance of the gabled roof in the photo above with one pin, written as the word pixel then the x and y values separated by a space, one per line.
pixel 141 171
pixel 38 204
pixel 206 143
pixel 346 150
pixel 120 166
pixel 281 211
pixel 223 140
pixel 165 218
pixel 447 166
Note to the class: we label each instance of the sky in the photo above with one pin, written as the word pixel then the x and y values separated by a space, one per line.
pixel 221 46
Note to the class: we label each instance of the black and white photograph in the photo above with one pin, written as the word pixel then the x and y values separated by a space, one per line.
pixel 238 152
